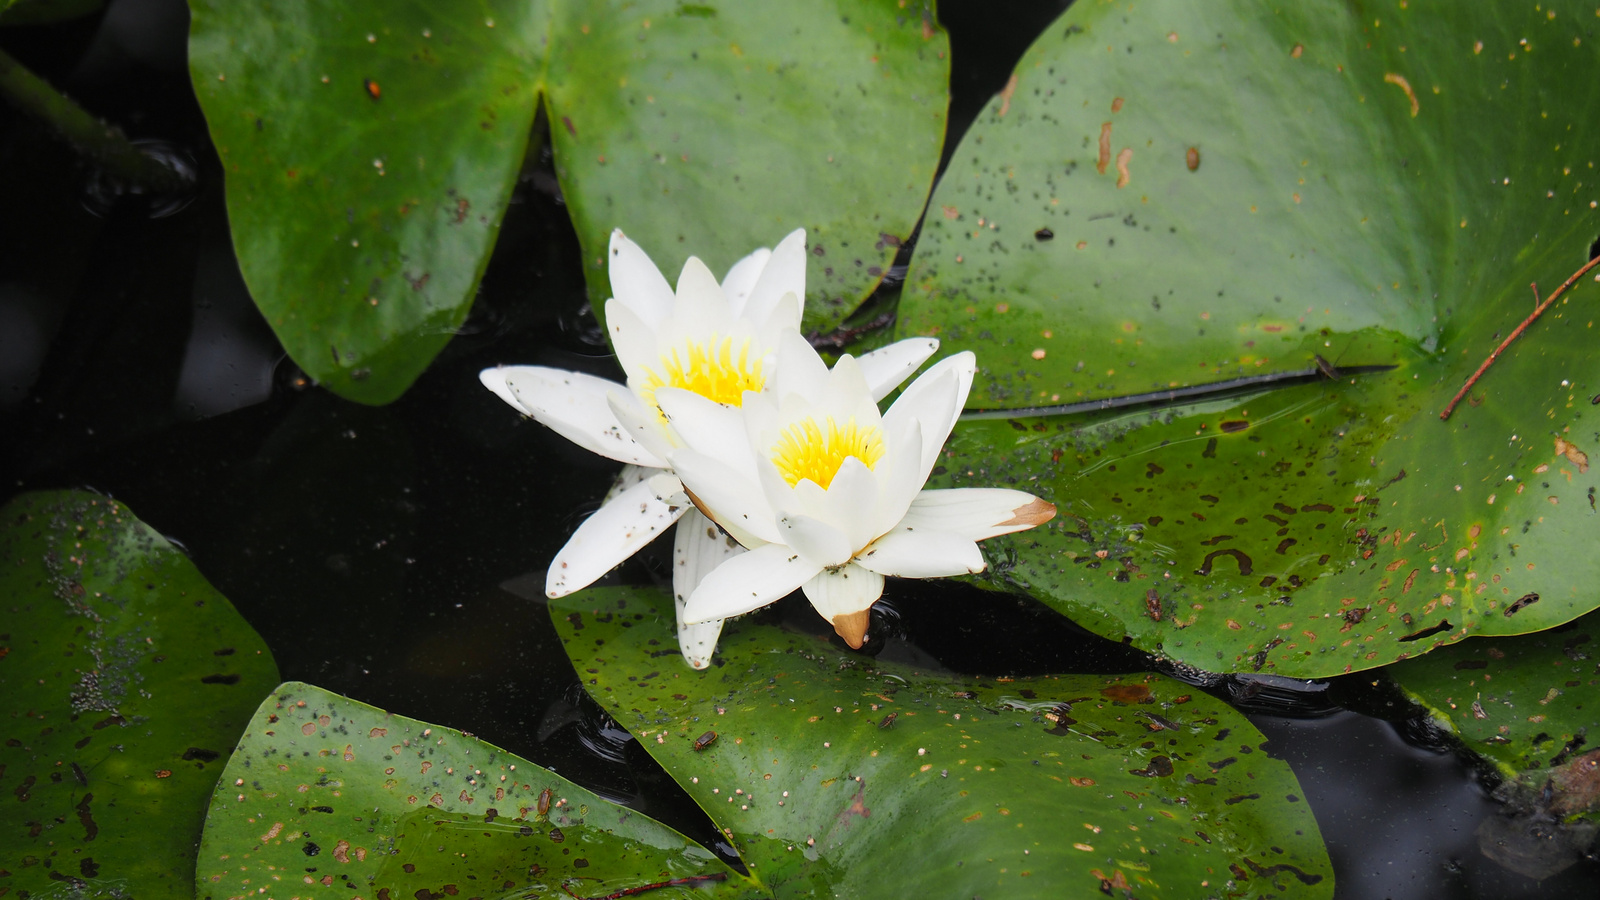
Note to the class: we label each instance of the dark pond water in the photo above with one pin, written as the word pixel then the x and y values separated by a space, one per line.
pixel 395 554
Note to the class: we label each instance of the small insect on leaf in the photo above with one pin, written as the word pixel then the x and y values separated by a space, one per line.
pixel 705 740
pixel 544 802
pixel 373 90
pixel 888 721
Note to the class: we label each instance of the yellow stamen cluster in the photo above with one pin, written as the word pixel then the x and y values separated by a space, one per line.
pixel 710 369
pixel 809 450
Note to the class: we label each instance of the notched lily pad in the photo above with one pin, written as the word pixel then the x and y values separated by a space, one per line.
pixel 125 680
pixel 343 798
pixel 825 766
pixel 370 156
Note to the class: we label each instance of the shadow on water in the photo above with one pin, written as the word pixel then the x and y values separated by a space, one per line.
pixel 390 554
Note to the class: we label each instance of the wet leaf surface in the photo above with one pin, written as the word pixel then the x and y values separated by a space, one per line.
pixel 330 797
pixel 1309 531
pixel 1320 527
pixel 825 766
pixel 1175 194
pixel 1529 704
pixel 370 157
pixel 125 680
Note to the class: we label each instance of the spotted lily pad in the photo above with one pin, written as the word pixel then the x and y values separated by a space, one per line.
pixel 370 153
pixel 1529 704
pixel 825 768
pixel 1173 194
pixel 331 797
pixel 1321 523
pixel 125 680
pixel 1303 531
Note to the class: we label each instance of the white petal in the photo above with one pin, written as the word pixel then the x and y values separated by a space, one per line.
pixel 742 277
pixel 642 422
pixel 922 554
pixel 495 380
pixel 636 282
pixel 748 581
pixel 628 477
pixel 633 340
pixel 573 405
pixel 800 370
pixel 784 273
pixel 887 367
pixel 727 497
pixel 709 427
pixel 698 547
pixel 902 476
pixel 845 394
pixel 935 400
pixel 977 513
pixel 701 307
pixel 850 504
pixel 784 317
pixel 817 541
pixel 615 532
pixel 844 593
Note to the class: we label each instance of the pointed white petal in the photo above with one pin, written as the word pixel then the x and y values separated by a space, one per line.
pixel 887 367
pixel 636 282
pixel 922 554
pixel 845 394
pixel 851 502
pixel 709 427
pixel 817 541
pixel 573 405
pixel 701 308
pixel 698 548
pixel 784 273
pixel 628 477
pixel 641 422
pixel 615 532
pixel 748 581
pixel 935 400
pixel 800 370
pixel 633 339
pixel 727 497
pixel 495 380
pixel 843 597
pixel 977 513
pixel 742 277
pixel 902 477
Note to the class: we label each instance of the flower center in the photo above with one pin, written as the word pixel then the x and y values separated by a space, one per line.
pixel 710 369
pixel 807 449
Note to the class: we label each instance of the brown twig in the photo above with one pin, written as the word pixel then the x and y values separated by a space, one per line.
pixel 1538 311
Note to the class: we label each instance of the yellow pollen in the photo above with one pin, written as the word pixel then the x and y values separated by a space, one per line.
pixel 808 450
pixel 710 369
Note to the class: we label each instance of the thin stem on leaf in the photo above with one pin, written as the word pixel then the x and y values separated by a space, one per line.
pixel 1538 311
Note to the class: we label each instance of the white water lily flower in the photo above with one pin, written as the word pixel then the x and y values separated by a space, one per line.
pixel 715 340
pixel 828 495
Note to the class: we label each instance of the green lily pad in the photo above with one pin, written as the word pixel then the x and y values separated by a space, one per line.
pixel 1527 704
pixel 1307 531
pixel 823 767
pixel 124 677
pixel 369 157
pixel 332 796
pixel 1316 528
pixel 1364 184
